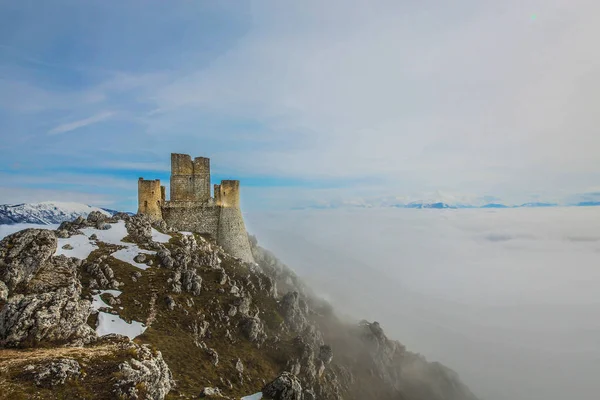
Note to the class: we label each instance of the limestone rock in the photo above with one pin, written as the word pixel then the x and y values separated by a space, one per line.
pixel 147 370
pixel 253 328
pixel 211 392
pixel 23 253
pixel 191 282
pixel 293 314
pixel 139 228
pixel 58 316
pixel 140 258
pixel 164 256
pixel 47 307
pixel 96 216
pixel 3 291
pixel 325 354
pixel 285 387
pixel 56 372
pixel 239 366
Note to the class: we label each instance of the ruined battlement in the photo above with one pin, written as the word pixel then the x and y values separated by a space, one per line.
pixel 191 206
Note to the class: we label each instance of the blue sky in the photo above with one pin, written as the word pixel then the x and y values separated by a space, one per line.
pixel 304 102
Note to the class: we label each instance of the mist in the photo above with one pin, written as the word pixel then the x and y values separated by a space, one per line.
pixel 508 298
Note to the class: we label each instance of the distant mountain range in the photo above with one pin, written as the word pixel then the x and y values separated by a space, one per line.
pixel 46 213
pixel 443 205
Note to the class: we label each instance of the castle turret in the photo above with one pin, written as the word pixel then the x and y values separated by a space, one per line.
pixel 150 197
pixel 229 193
pixel 232 234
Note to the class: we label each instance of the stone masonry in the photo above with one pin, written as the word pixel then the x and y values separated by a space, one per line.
pixel 191 207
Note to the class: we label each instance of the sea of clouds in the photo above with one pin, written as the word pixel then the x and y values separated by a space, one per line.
pixel 510 299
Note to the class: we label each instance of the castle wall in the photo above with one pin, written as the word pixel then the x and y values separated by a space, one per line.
pixel 150 198
pixel 193 217
pixel 232 234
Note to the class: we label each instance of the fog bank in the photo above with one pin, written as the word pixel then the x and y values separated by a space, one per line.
pixel 507 298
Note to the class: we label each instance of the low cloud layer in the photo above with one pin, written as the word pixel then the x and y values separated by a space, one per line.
pixel 508 298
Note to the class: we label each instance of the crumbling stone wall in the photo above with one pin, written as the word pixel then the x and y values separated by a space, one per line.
pixel 193 218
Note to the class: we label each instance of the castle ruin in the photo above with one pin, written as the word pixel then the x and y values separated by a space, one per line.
pixel 191 207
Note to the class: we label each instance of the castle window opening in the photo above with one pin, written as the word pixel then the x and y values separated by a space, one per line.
pixel 146 203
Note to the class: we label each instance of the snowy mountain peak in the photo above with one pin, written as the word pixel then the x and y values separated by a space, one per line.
pixel 45 213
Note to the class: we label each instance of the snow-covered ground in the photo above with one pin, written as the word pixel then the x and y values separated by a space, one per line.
pixel 110 323
pixel 83 246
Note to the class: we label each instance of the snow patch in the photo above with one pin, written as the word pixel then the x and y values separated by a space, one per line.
pixel 98 303
pixel 128 254
pixel 255 396
pixel 114 235
pixel 82 247
pixel 160 237
pixel 186 233
pixel 110 323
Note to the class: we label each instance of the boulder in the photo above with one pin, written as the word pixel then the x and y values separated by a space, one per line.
pixel 55 372
pixel 148 372
pixel 285 387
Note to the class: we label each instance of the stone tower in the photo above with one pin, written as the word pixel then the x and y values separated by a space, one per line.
pixel 150 198
pixel 190 180
pixel 232 234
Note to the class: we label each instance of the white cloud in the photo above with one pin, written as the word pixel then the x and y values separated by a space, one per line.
pixel 71 126
pixel 507 298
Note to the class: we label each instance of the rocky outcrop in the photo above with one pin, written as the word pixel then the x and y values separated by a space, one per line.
pixel 294 311
pixel 285 387
pixel 146 376
pixel 42 295
pixel 139 228
pixel 253 329
pixel 54 372
pixel 101 274
pixel 23 254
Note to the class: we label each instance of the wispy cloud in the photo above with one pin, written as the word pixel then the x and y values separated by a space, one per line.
pixel 71 126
